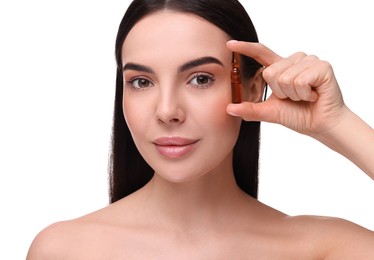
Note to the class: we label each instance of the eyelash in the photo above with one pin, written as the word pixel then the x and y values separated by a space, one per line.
pixel 130 83
pixel 209 77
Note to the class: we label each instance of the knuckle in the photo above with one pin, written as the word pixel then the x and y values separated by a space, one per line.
pixel 285 80
pixel 325 65
pixel 311 58
pixel 268 74
pixel 301 82
pixel 314 57
pixel 299 55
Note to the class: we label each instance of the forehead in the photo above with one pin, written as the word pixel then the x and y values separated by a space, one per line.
pixel 169 34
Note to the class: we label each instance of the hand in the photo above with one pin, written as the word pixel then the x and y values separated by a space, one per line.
pixel 305 94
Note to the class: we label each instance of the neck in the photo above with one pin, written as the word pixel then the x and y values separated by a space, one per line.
pixel 206 200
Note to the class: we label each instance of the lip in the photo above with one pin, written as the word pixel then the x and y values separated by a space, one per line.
pixel 174 147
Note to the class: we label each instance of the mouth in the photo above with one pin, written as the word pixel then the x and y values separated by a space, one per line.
pixel 175 147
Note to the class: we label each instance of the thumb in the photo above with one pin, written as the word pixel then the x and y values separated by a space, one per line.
pixel 253 111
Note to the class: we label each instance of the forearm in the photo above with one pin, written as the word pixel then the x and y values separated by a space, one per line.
pixel 354 139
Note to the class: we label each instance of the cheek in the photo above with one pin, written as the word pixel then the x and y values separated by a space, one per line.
pixel 133 114
pixel 211 112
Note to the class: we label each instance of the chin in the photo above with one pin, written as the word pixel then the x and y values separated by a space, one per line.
pixel 180 176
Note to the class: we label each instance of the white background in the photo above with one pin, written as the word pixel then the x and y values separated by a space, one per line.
pixel 57 79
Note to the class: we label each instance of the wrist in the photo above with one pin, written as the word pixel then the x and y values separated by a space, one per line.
pixel 352 138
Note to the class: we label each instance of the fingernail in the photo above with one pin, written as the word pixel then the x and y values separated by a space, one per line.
pixel 233 114
pixel 230 112
pixel 232 42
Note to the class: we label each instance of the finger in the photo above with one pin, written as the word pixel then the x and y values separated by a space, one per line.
pixel 304 90
pixel 290 69
pixel 307 83
pixel 279 80
pixel 255 50
pixel 318 74
pixel 254 111
pixel 303 76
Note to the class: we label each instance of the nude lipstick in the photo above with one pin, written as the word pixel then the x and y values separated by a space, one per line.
pixel 174 147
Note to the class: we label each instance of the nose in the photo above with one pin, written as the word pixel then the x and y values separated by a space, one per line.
pixel 169 109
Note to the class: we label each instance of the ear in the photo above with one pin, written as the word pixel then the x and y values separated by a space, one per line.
pixel 254 87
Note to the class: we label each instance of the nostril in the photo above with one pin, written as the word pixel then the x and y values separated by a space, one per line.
pixel 174 120
pixel 169 113
pixel 166 121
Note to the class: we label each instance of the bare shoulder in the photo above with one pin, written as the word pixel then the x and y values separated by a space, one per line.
pixel 80 238
pixel 86 237
pixel 311 237
pixel 335 238
pixel 51 241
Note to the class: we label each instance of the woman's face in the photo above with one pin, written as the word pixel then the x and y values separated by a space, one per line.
pixel 176 90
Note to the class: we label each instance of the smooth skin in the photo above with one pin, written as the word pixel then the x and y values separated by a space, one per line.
pixel 192 207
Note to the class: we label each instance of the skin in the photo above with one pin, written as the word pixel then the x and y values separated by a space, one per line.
pixel 192 208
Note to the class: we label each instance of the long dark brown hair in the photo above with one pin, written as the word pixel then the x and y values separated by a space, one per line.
pixel 128 171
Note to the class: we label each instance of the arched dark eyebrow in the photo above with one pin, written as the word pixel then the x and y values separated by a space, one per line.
pixel 199 62
pixel 137 67
pixel 184 67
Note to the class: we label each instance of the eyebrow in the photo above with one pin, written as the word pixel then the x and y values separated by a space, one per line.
pixel 199 62
pixel 137 67
pixel 184 67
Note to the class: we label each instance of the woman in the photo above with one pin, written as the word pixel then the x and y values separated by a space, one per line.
pixel 184 163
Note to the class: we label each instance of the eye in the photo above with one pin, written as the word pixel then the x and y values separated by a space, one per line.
pixel 139 83
pixel 201 80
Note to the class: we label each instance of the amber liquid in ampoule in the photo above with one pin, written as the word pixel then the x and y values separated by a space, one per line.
pixel 236 82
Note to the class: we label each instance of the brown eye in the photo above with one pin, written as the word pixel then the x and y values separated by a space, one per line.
pixel 201 80
pixel 140 83
pixel 143 83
